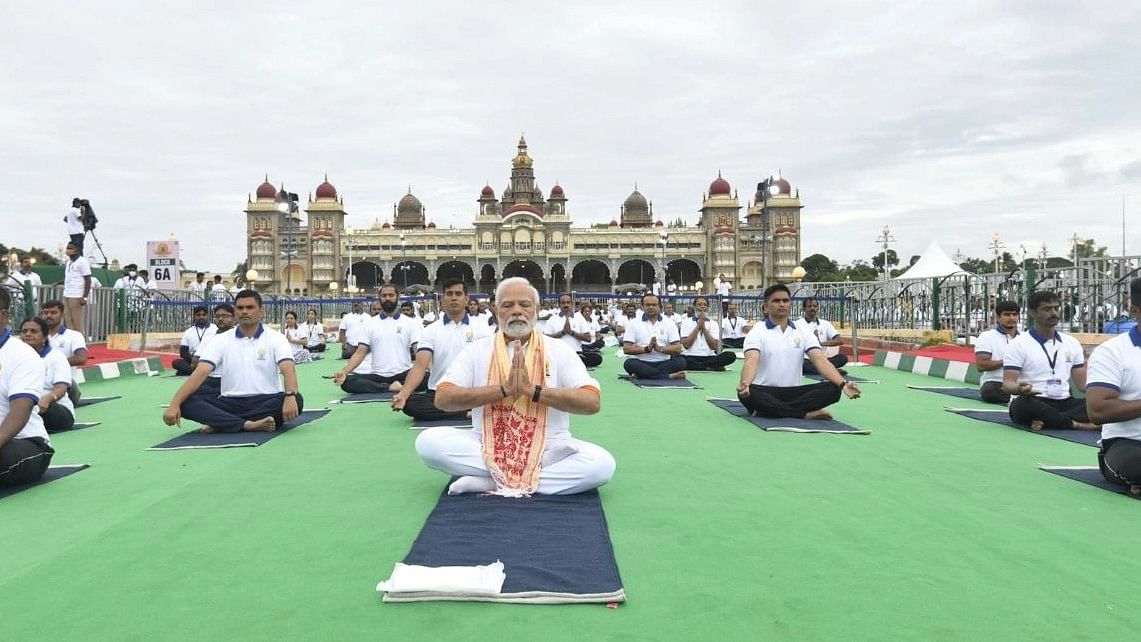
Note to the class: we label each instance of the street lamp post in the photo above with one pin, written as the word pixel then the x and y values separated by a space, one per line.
pixel 766 188
pixel 996 245
pixel 404 261
pixel 665 239
pixel 886 239
pixel 287 204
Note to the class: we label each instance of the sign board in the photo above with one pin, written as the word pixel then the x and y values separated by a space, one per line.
pixel 162 264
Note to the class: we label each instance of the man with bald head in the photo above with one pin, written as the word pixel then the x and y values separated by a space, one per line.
pixel 521 387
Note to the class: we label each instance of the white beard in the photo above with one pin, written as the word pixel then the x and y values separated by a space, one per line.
pixel 518 328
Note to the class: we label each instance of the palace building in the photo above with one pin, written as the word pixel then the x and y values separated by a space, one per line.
pixel 523 233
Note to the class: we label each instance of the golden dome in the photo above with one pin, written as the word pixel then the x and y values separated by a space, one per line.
pixel 521 160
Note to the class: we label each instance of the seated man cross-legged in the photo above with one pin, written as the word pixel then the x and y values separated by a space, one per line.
pixel 521 388
pixel 184 365
pixel 700 336
pixel 387 340
pixel 770 377
pixel 574 330
pixel 826 335
pixel 251 356
pixel 989 349
pixel 1114 400
pixel 1038 366
pixel 438 347
pixel 654 343
pixel 25 450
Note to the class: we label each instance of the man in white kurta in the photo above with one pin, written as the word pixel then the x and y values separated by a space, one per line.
pixel 568 465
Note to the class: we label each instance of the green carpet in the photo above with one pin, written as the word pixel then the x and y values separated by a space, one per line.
pixel 933 527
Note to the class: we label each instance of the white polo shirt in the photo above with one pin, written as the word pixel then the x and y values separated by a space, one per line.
pixel 194 335
pixel 782 353
pixel 74 271
pixel 67 341
pixel 196 287
pixel 207 336
pixel 251 363
pixel 389 340
pixel 22 376
pixel 699 348
pixel 56 370
pixel 724 288
pixel 1045 364
pixel 218 292
pixel 74 221
pixel 823 330
pixel 993 342
pixel 352 320
pixel 563 370
pixel 640 331
pixel 20 279
pixel 1116 364
pixel 311 332
pixel 446 339
pixel 733 328
pixel 579 324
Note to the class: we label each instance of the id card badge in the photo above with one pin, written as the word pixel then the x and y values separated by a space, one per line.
pixel 1056 389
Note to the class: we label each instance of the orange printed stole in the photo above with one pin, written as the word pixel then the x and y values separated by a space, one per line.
pixel 515 429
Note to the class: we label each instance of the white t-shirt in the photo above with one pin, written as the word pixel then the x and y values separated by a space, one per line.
pixel 782 353
pixel 639 332
pixel 733 328
pixel 19 279
pixel 218 292
pixel 56 370
pixel 1116 364
pixel 445 340
pixel 74 272
pixel 67 341
pixel 389 340
pixel 1032 357
pixel 21 376
pixel 563 370
pixel 207 336
pixel 352 320
pixel 74 221
pixel 724 288
pixel 311 333
pixel 699 348
pixel 251 363
pixel 823 330
pixel 580 325
pixel 194 335
pixel 197 287
pixel 992 342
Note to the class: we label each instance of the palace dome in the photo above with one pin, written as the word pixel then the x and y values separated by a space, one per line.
pixel 266 190
pixel 720 187
pixel 326 190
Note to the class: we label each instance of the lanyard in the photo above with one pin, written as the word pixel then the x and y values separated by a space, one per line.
pixel 1053 361
pixel 200 334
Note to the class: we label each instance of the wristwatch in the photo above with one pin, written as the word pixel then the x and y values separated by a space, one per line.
pixel 290 393
pixel 538 390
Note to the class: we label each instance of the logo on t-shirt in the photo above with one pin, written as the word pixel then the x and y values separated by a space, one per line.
pixel 261 354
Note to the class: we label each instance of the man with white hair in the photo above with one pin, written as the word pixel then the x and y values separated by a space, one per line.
pixel 521 387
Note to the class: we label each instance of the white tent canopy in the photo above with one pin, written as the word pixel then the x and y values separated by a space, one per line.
pixel 934 264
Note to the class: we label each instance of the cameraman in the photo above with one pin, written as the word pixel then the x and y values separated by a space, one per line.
pixel 74 219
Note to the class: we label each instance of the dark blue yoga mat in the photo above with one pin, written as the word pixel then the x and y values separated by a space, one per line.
pixel 53 473
pixel 365 397
pixel 1090 476
pixel 1002 417
pixel 195 439
pixel 551 546
pixel 769 424
pixel 660 383
pixel 91 401
pixel 79 426
pixel 961 393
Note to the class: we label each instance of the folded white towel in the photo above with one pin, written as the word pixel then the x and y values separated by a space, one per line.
pixel 468 580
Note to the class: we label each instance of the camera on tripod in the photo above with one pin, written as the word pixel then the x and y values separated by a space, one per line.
pixel 86 214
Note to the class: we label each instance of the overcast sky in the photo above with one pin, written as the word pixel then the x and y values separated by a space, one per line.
pixel 947 121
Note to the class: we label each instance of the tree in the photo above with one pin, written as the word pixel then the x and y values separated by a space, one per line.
pixel 892 259
pixel 39 254
pixel 914 259
pixel 819 268
pixel 1089 248
pixel 977 266
pixel 239 273
pixel 859 270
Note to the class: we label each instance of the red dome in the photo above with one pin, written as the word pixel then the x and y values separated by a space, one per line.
pixel 783 186
pixel 266 189
pixel 386 226
pixel 431 225
pixel 658 224
pixel 487 192
pixel 613 223
pixel 720 186
pixel 326 190
pixel 557 190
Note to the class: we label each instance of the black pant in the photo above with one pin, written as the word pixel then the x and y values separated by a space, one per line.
pixel 590 359
pixel 837 360
pixel 230 414
pixel 182 367
pixel 739 342
pixel 715 362
pixel 77 239
pixel 1055 414
pixel 422 405
pixel 1120 460
pixel 790 401
pixel 373 383
pixel 347 350
pixel 991 392
pixel 74 394
pixel 596 345
pixel 24 460
pixel 654 369
pixel 58 418
pixel 320 347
